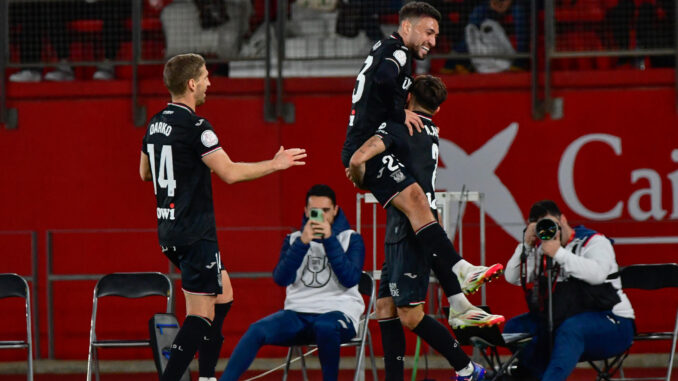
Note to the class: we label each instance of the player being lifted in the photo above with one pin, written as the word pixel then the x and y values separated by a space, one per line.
pixel 179 150
pixel 405 274
pixel 379 95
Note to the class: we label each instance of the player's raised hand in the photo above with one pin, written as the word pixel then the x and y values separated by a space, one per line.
pixel 413 121
pixel 286 158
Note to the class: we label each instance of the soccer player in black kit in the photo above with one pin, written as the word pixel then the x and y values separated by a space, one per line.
pixel 405 273
pixel 379 96
pixel 179 150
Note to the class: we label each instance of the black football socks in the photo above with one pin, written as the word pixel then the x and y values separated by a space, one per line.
pixel 192 333
pixel 393 342
pixel 209 350
pixel 440 338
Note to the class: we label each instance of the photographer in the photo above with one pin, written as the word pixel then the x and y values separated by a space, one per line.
pixel 592 317
pixel 321 266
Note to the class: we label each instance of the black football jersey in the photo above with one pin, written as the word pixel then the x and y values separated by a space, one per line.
pixel 176 140
pixel 419 155
pixel 370 107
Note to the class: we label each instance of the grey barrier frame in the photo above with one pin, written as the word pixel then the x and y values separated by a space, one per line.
pixel 51 277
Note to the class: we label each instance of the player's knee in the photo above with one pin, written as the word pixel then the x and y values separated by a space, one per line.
pixel 414 202
pixel 385 308
pixel 410 317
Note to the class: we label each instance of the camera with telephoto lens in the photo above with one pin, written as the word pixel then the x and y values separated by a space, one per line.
pixel 546 229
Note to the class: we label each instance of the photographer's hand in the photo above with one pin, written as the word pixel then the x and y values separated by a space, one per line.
pixel 530 237
pixel 551 246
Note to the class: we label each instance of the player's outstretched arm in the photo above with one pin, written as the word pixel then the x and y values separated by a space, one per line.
pixel 145 168
pixel 371 148
pixel 233 172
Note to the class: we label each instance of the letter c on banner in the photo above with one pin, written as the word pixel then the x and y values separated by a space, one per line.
pixel 566 176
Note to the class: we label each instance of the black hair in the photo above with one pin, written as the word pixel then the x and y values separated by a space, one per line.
pixel 417 9
pixel 429 92
pixel 321 190
pixel 541 208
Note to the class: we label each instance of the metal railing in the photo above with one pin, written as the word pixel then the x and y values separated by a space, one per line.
pixel 52 277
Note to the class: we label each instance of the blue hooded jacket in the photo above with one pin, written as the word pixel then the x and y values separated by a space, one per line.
pixel 347 266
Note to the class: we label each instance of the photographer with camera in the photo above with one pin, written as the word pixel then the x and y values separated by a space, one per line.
pixel 321 266
pixel 591 317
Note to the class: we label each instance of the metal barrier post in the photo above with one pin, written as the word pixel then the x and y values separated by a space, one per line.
pixel 50 306
pixel 269 111
pixel 34 291
pixel 537 104
pixel 8 117
pixel 138 112
pixel 549 29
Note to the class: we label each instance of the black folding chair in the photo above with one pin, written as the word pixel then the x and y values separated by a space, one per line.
pixel 13 285
pixel 126 285
pixel 488 340
pixel 367 288
pixel 643 277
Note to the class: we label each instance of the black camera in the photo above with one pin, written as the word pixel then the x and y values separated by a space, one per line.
pixel 546 229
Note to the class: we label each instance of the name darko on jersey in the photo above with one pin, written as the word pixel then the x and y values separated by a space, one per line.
pixel 160 128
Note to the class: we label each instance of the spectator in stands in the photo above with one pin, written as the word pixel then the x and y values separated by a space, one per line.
pixel 33 20
pixel 56 16
pixel 320 265
pixel 512 15
pixel 592 317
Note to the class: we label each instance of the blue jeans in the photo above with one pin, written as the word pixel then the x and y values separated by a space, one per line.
pixel 288 328
pixel 585 336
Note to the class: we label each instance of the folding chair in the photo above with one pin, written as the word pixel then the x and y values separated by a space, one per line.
pixel 126 285
pixel 367 288
pixel 13 285
pixel 488 340
pixel 643 277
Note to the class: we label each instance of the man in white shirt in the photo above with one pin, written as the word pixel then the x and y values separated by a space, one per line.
pixel 592 317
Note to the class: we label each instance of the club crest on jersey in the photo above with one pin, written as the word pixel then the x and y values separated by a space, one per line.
pixel 400 56
pixel 398 176
pixel 209 138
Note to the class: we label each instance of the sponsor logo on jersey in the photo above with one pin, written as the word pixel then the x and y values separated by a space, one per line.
pixel 165 213
pixel 209 138
pixel 376 46
pixel 168 112
pixel 199 123
pixel 400 56
pixel 160 128
pixel 410 275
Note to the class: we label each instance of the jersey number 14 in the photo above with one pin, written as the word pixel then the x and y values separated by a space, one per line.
pixel 165 171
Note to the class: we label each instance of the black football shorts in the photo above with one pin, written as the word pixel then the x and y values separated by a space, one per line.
pixel 405 273
pixel 200 265
pixel 386 177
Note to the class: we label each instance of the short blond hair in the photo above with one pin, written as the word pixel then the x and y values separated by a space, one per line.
pixel 179 70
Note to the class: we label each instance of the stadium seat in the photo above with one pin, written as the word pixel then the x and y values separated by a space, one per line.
pixel 126 285
pixel 367 288
pixel 643 277
pixel 13 285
